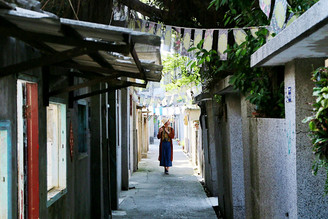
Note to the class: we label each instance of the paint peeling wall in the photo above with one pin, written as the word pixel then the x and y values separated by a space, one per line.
pixel 76 202
pixel 8 100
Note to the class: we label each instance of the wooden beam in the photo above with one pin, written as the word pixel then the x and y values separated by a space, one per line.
pixel 5 5
pixel 101 70
pixel 9 29
pixel 71 32
pixel 82 85
pixel 125 84
pixel 137 61
pixel 62 40
pixel 43 61
pixel 83 96
pixel 71 41
pixel 79 74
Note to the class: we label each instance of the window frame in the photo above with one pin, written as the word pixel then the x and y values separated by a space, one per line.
pixel 56 192
pixel 83 154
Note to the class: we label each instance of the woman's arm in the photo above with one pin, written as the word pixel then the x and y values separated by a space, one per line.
pixel 159 135
pixel 171 134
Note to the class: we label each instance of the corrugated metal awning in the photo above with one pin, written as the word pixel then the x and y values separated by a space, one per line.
pixel 102 53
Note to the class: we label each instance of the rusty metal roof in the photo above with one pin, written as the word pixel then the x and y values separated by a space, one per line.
pixel 118 55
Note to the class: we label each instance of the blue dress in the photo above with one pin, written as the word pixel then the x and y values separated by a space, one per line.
pixel 166 154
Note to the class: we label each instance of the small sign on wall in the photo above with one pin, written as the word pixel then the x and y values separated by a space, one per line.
pixel 289 95
pixel 71 140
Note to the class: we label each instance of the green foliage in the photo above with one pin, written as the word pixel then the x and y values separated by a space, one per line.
pixel 255 83
pixel 248 13
pixel 298 7
pixel 241 13
pixel 318 122
pixel 176 66
pixel 217 98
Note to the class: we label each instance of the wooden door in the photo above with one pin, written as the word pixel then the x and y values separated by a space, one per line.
pixel 32 149
pixel 27 150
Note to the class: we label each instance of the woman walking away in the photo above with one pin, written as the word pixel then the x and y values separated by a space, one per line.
pixel 166 134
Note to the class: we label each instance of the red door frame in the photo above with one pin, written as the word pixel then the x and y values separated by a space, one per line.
pixel 32 115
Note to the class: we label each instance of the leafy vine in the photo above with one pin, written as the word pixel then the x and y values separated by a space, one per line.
pixel 256 83
pixel 318 122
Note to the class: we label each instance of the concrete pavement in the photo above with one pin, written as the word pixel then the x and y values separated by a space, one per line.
pixel 156 195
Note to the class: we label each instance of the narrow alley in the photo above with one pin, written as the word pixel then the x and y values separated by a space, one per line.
pixel 154 194
pixel 88 87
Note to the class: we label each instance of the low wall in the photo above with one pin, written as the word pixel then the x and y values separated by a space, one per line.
pixel 267 153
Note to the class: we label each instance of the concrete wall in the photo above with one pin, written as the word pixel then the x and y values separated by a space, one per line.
pixel 181 126
pixel 306 190
pixel 211 172
pixel 229 156
pixel 267 187
pixel 191 146
pixel 278 156
pixel 235 154
pixel 143 135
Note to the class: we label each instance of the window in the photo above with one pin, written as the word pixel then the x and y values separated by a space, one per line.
pixel 83 127
pixel 56 151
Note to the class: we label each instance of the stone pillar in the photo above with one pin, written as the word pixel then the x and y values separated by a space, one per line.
pixel 125 117
pixel 212 146
pixel 306 199
pixel 235 144
pixel 250 166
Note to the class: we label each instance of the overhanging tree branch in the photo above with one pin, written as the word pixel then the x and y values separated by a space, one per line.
pixel 143 8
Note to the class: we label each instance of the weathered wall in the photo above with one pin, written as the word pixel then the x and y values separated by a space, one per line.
pixel 190 138
pixel 76 202
pixel 211 180
pixel 81 161
pixel 309 201
pixel 235 154
pixel 268 168
pixel 245 113
pixel 8 107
